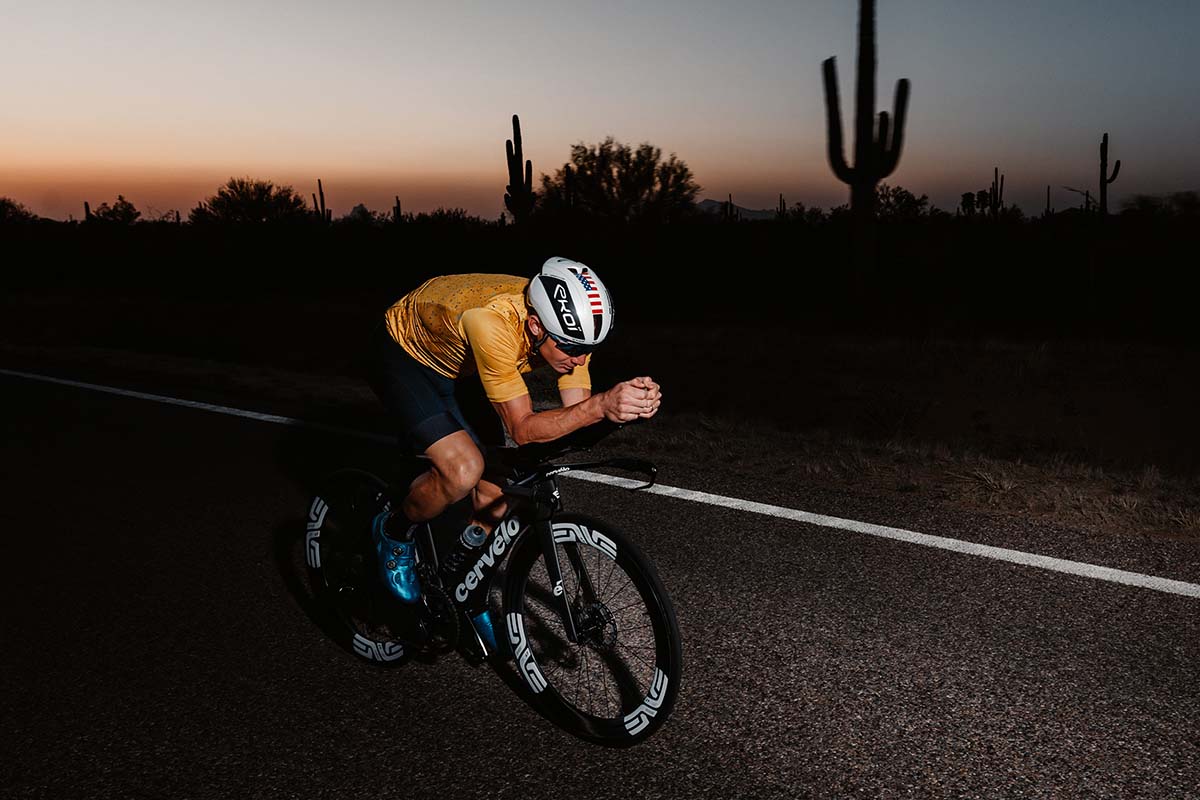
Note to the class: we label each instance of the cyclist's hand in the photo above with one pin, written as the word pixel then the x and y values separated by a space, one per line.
pixel 652 398
pixel 624 402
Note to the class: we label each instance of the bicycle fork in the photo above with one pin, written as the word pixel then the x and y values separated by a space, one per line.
pixel 545 532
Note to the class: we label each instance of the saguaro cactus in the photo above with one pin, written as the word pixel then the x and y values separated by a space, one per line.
pixel 996 196
pixel 781 209
pixel 324 214
pixel 876 150
pixel 729 211
pixel 87 212
pixel 1104 179
pixel 519 195
pixel 397 212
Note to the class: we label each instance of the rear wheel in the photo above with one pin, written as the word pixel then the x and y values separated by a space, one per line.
pixel 618 683
pixel 341 562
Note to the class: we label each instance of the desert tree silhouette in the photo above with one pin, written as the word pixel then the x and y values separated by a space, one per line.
pixel 121 212
pixel 617 182
pixel 895 203
pixel 11 211
pixel 251 201
pixel 361 215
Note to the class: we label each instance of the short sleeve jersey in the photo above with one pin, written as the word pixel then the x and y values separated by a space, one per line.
pixel 461 324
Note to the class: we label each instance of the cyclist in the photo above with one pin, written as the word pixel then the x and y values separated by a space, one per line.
pixel 425 356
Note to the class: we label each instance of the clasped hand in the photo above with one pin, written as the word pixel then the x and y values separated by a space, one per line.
pixel 638 398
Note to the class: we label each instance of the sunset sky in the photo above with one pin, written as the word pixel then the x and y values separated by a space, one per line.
pixel 163 101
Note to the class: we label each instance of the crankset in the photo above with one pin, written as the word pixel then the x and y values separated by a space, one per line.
pixel 437 617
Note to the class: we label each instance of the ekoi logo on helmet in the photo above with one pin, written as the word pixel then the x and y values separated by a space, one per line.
pixel 564 309
pixel 564 295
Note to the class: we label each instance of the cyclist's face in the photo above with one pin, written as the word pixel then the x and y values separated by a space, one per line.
pixel 561 361
pixel 550 351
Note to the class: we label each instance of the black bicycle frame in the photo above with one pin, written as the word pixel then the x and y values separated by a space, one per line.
pixel 537 496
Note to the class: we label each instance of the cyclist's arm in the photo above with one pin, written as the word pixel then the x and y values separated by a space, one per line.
pixel 525 425
pixel 624 402
pixel 573 394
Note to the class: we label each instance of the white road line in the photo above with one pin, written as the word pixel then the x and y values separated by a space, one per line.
pixel 216 409
pixel 899 534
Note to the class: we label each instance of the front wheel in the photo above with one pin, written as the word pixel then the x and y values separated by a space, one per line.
pixel 618 683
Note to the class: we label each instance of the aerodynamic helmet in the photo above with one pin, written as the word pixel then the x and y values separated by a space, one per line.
pixel 572 304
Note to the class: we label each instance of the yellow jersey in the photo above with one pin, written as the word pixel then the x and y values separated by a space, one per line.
pixel 461 324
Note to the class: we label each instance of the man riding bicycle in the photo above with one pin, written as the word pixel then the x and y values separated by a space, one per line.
pixel 424 357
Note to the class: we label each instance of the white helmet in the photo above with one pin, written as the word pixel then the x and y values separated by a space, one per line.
pixel 572 304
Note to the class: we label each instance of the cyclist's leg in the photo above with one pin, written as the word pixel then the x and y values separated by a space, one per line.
pixel 457 465
pixel 422 404
pixel 489 503
pixel 480 417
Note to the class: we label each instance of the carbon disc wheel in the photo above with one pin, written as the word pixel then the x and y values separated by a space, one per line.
pixel 341 563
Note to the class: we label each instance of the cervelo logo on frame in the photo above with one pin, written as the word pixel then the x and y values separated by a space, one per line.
pixel 501 538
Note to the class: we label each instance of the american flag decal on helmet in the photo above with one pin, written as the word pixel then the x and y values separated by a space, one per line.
pixel 593 295
pixel 589 286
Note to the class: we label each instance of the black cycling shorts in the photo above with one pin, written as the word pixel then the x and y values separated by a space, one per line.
pixel 427 406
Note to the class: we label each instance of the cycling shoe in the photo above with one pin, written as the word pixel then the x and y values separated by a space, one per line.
pixel 396 562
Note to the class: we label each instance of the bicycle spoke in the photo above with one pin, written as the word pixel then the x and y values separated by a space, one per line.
pixel 623 646
pixel 608 577
pixel 616 594
pixel 638 602
pixel 626 627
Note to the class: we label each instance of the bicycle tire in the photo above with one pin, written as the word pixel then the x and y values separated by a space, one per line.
pixel 341 565
pixel 635 605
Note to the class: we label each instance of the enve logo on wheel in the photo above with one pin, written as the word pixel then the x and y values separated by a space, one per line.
pixel 312 535
pixel 377 651
pixel 639 719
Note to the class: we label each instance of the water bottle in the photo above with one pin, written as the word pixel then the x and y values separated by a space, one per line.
pixel 462 551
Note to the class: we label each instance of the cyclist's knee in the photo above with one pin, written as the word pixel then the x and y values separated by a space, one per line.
pixel 460 475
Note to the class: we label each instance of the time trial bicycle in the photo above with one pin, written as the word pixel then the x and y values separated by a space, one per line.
pixel 583 613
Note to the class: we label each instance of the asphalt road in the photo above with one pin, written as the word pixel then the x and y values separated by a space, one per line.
pixel 155 644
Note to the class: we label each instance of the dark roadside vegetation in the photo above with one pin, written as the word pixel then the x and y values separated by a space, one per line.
pixel 995 359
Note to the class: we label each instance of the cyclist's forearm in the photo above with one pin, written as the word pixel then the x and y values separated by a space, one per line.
pixel 545 426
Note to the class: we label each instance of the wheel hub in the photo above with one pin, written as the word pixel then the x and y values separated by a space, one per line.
pixel 596 626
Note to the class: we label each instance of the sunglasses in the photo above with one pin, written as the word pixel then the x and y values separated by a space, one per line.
pixel 571 348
